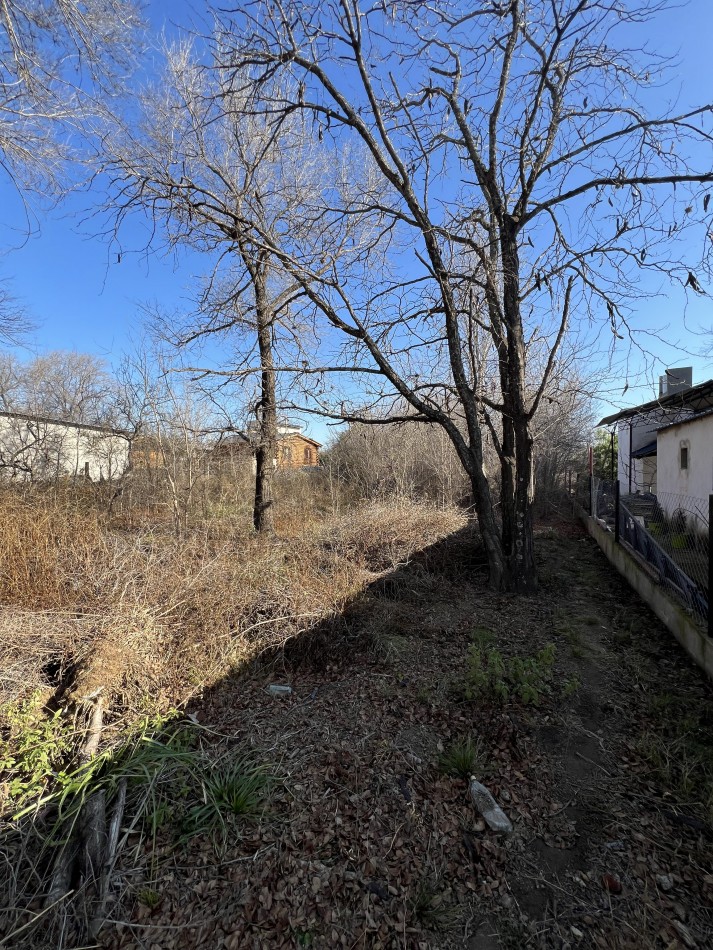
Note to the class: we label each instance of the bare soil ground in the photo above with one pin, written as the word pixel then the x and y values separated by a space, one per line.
pixel 365 843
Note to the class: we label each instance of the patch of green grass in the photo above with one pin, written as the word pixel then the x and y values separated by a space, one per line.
pixel 173 785
pixel 482 636
pixel 679 748
pixel 424 695
pixel 567 628
pixel 233 788
pixel 432 909
pixel 679 542
pixel 463 758
pixel 491 675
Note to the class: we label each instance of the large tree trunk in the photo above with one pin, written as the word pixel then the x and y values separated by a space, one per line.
pixel 490 534
pixel 518 543
pixel 266 453
pixel 517 461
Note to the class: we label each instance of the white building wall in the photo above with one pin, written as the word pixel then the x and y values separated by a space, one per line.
pixel 633 434
pixel 37 450
pixel 686 488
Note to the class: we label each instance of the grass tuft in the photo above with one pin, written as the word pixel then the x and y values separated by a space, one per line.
pixel 463 758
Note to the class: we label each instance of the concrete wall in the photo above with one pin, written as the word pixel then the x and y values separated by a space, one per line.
pixel 692 638
pixel 695 482
pixel 38 450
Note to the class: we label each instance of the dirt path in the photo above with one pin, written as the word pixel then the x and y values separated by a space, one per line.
pixel 367 843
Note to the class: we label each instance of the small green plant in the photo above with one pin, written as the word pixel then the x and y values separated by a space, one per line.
pixel 172 785
pixel 679 542
pixel 678 748
pixel 571 686
pixel 149 898
pixel 493 676
pixel 231 789
pixel 462 758
pixel 424 695
pixel 35 747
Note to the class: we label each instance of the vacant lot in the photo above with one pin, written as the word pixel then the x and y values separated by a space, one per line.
pixel 337 815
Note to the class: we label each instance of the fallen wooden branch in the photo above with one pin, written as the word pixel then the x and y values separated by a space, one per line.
pixel 82 856
pixel 97 920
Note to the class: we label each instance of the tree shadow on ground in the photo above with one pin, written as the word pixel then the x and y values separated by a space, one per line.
pixel 331 814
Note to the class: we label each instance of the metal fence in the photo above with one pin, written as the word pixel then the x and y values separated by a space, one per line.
pixel 670 532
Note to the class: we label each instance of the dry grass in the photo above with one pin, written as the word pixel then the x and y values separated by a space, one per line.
pixel 153 619
pixel 150 620
pixel 381 536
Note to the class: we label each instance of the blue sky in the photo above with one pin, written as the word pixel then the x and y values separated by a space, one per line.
pixel 82 298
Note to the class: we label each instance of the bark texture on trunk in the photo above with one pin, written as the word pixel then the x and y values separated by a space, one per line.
pixel 516 481
pixel 266 452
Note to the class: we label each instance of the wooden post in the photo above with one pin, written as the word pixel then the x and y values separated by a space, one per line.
pixel 616 511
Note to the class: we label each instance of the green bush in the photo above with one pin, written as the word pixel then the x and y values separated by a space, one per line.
pixel 34 748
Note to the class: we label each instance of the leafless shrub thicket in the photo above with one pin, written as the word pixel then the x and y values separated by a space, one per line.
pixel 411 460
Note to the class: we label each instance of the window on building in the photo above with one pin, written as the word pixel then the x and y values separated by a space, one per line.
pixel 684 457
pixel 286 453
pixel 308 455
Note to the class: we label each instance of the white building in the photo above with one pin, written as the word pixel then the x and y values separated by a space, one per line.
pixel 685 465
pixel 648 456
pixel 33 448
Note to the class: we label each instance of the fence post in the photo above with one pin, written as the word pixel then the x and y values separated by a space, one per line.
pixel 710 565
pixel 616 511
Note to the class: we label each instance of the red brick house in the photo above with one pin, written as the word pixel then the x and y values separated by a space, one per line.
pixel 295 450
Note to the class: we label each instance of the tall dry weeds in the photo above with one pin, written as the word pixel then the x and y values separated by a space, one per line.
pixel 152 619
pixel 144 621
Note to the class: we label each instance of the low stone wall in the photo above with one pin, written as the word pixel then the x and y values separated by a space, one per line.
pixel 689 634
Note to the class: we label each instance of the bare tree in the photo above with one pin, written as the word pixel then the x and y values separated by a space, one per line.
pixel 14 322
pixel 56 57
pixel 215 175
pixel 63 385
pixel 526 188
pixel 174 429
pixel 54 54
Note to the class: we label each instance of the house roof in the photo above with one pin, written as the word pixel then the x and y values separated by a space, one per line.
pixel 47 420
pixel 301 435
pixel 698 397
pixel 281 437
pixel 687 420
